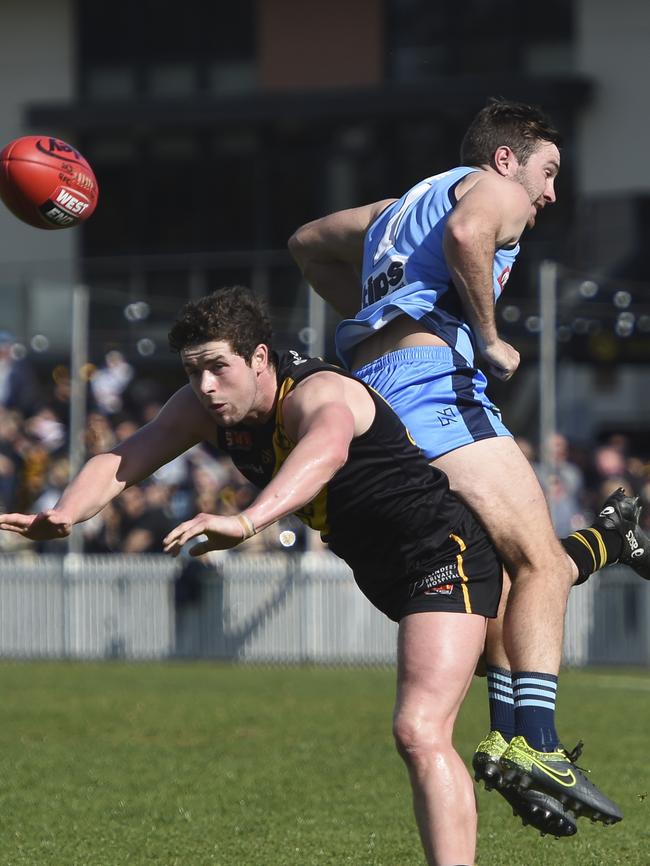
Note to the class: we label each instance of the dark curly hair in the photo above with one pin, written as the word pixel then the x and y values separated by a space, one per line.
pixel 233 314
pixel 519 126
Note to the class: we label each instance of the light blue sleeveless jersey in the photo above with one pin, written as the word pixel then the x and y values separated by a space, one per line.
pixel 404 270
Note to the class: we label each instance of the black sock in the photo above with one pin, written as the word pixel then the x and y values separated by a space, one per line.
pixel 592 549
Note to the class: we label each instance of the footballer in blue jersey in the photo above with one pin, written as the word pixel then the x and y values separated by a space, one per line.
pixel 404 272
pixel 416 280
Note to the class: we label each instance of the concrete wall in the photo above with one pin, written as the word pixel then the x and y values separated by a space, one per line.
pixel 36 65
pixel 613 47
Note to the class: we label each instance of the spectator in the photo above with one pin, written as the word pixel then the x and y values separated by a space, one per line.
pixel 17 381
pixel 109 382
pixel 145 518
pixel 100 436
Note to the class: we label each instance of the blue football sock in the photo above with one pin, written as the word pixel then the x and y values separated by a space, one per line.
pixel 535 695
pixel 502 705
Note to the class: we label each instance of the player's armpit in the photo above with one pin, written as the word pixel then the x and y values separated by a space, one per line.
pixel 329 252
pixel 180 424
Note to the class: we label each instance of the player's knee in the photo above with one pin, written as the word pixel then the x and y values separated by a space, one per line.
pixel 552 565
pixel 419 736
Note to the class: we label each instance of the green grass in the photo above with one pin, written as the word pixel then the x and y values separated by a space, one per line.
pixel 193 764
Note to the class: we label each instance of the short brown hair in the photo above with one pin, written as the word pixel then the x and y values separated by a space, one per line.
pixel 519 126
pixel 233 314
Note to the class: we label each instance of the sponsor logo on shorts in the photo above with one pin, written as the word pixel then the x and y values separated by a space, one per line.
pixel 447 416
pixel 439 582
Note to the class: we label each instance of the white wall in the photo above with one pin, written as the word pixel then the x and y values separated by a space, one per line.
pixel 36 65
pixel 613 48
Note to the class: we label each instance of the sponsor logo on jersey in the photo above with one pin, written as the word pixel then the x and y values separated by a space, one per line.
pixel 70 201
pixel 383 281
pixel 296 358
pixel 239 439
pixel 502 279
pixel 251 469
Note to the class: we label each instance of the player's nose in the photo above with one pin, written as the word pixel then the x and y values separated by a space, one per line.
pixel 207 382
pixel 549 192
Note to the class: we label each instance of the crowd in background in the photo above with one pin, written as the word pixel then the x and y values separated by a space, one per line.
pixel 34 463
pixel 584 476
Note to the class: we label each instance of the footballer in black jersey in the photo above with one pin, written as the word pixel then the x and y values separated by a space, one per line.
pixel 411 544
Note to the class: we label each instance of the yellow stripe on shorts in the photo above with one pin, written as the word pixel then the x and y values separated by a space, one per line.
pixel 459 560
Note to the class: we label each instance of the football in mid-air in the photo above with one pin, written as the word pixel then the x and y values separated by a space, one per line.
pixel 46 182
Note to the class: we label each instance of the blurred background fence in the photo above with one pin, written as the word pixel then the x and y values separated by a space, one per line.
pixel 271 608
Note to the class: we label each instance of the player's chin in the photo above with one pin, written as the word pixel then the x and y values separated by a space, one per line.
pixel 226 421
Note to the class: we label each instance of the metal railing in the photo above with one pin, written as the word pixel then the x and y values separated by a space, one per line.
pixel 265 608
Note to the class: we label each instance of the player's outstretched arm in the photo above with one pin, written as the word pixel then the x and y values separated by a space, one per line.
pixel 329 252
pixel 181 423
pixel 319 417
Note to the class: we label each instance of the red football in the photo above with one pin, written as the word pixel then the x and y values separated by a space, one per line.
pixel 46 182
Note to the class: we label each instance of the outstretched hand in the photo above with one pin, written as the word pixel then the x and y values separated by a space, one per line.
pixel 44 526
pixel 222 534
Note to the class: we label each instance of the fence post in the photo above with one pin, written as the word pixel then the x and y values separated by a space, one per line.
pixel 78 361
pixel 547 368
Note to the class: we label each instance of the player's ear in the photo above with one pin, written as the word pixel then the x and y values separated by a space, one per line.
pixel 504 160
pixel 260 358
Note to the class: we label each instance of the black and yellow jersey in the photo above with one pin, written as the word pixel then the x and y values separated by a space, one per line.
pixel 386 512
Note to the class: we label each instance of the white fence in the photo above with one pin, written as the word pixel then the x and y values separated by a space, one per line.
pixel 272 608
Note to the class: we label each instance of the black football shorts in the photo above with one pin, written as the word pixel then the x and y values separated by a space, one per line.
pixel 465 577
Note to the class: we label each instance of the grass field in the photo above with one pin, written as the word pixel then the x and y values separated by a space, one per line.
pixel 193 764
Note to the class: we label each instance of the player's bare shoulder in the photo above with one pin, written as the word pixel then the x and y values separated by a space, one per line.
pixel 329 388
pixel 493 201
pixel 486 184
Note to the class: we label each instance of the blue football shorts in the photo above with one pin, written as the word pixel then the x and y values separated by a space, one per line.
pixel 442 402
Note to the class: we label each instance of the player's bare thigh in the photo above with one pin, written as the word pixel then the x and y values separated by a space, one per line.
pixel 496 481
pixel 437 655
